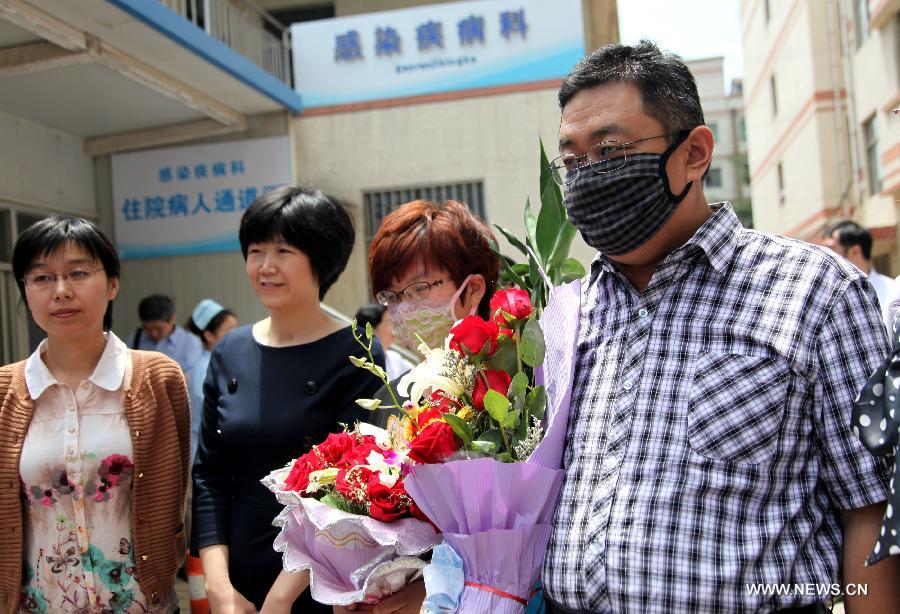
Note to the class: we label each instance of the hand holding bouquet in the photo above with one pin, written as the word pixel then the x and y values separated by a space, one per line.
pixel 349 520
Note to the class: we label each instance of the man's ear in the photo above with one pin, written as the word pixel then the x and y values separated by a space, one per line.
pixel 699 145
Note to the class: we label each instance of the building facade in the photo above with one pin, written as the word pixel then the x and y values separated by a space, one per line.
pixel 83 85
pixel 728 176
pixel 821 78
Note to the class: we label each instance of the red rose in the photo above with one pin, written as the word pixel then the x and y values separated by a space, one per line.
pixel 353 483
pixel 498 380
pixel 513 302
pixel 298 479
pixel 443 404
pixel 434 444
pixel 387 504
pixel 472 334
pixel 113 467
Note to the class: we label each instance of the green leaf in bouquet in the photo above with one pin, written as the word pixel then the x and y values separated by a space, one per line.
pixel 511 419
pixel 561 247
pixel 369 330
pixel 520 269
pixel 530 225
pixel 496 405
pixel 460 427
pixel 513 240
pixel 505 457
pixel 485 447
pixel 358 362
pixel 548 223
pixel 572 269
pixel 545 171
pixel 532 343
pixel 492 436
pixel 504 359
pixel 511 274
pixel 518 386
pixel 369 404
pixel 339 502
pixel 536 402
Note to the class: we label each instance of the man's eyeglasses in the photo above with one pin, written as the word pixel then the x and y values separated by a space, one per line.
pixel 418 290
pixel 604 157
pixel 45 281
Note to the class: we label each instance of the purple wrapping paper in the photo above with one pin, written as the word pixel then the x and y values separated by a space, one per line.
pixel 351 558
pixel 498 516
pixel 468 496
pixel 502 559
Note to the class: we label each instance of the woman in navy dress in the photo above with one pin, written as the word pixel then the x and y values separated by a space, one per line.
pixel 273 389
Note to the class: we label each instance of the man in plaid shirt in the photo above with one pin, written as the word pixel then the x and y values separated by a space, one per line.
pixel 710 465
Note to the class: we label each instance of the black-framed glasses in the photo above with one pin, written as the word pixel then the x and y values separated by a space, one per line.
pixel 414 291
pixel 45 281
pixel 604 157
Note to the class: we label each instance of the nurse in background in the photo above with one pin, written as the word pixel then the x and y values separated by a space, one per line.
pixel 209 321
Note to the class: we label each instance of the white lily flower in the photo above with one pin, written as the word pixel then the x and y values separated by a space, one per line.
pixel 322 477
pixel 387 474
pixel 429 375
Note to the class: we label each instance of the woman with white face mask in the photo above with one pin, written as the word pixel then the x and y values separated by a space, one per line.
pixel 431 264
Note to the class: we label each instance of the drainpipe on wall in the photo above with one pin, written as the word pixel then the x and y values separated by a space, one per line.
pixel 845 180
pixel 844 27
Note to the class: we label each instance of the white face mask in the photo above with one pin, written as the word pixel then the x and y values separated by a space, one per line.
pixel 429 318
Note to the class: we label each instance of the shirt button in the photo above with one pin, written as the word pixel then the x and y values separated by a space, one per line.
pixel 628 385
pixel 71 408
pixel 643 312
pixel 71 429
pixel 85 385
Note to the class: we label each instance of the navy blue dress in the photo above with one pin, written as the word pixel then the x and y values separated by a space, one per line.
pixel 262 407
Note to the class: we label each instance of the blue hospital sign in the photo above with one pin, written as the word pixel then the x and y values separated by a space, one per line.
pixel 435 48
pixel 185 200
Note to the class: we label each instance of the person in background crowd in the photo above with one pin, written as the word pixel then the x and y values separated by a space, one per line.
pixel 380 319
pixel 273 390
pixel 854 243
pixel 96 435
pixel 712 372
pixel 210 322
pixel 159 332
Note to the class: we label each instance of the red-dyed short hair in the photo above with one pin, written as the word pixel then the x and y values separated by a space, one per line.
pixel 445 235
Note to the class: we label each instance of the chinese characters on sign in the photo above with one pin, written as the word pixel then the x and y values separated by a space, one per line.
pixel 190 203
pixel 186 200
pixel 429 35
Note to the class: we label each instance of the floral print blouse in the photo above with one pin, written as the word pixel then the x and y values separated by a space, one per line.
pixel 76 472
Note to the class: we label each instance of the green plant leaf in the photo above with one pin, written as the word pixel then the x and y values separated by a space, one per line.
pixel 504 359
pixel 493 436
pixel 485 447
pixel 530 225
pixel 548 224
pixel 511 420
pixel 339 502
pixel 532 344
pixel 563 244
pixel 572 269
pixel 545 176
pixel 505 457
pixel 513 240
pixel 496 405
pixel 369 330
pixel 369 404
pixel 536 402
pixel 518 386
pixel 460 428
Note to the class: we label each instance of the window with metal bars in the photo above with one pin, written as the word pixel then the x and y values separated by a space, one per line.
pixel 379 203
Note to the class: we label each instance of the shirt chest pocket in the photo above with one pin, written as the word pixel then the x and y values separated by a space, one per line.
pixel 737 406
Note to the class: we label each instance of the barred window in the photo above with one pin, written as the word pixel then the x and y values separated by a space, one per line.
pixel 379 203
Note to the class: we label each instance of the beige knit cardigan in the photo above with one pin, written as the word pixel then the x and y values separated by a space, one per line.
pixel 156 407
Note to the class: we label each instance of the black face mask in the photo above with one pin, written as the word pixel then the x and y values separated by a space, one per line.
pixel 617 212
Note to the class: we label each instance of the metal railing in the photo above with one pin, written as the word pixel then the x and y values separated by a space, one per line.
pixel 245 27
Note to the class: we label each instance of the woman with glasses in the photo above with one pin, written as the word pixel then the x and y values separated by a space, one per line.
pixel 97 437
pixel 430 264
pixel 273 389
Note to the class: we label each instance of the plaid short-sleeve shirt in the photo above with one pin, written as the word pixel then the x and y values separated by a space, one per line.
pixel 709 446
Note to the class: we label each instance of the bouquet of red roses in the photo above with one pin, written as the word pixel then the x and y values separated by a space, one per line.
pixel 481 468
pixel 349 520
